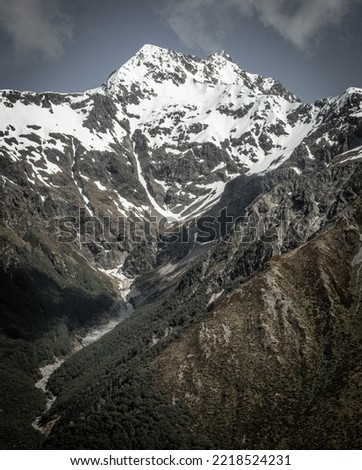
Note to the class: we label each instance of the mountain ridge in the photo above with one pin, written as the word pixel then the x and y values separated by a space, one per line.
pixel 117 202
pixel 165 131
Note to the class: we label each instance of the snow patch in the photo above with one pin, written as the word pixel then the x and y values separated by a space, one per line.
pixel 297 170
pixel 100 186
pixel 124 282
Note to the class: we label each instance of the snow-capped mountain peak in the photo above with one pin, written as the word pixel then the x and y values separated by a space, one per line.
pixel 220 208
pixel 179 127
pixel 154 65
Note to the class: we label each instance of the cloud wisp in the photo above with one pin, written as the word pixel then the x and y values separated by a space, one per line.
pixel 35 26
pixel 301 24
pixel 201 22
pixel 191 21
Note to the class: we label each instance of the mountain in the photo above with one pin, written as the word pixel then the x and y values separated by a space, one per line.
pixel 276 363
pixel 219 217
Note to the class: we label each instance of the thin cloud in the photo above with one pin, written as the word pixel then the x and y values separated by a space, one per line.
pixel 201 23
pixel 35 26
pixel 190 20
pixel 306 20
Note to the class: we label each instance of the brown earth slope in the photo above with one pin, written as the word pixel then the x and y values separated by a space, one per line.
pixel 276 364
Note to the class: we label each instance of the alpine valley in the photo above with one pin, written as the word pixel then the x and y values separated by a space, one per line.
pixel 211 224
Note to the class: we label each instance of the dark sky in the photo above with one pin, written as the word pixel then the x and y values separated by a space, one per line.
pixel 312 46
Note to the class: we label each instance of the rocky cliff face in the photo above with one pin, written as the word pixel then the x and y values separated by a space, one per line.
pixel 163 136
pixel 178 182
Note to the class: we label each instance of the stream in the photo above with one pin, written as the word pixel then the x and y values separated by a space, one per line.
pixel 46 371
pixel 123 286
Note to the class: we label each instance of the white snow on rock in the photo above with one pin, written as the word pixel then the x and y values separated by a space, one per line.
pixel 124 282
pixel 179 103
